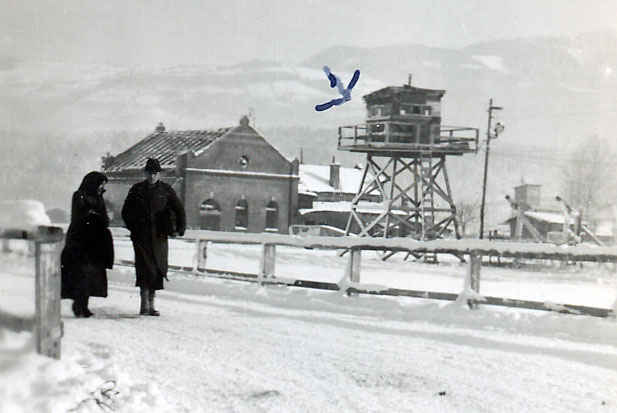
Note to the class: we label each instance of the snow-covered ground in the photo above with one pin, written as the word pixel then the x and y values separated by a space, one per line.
pixel 231 346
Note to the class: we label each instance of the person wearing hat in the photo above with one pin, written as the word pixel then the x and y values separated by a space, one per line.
pixel 152 211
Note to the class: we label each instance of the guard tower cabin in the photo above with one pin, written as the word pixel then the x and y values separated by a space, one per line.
pixel 406 119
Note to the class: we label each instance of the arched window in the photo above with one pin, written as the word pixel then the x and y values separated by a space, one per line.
pixel 210 215
pixel 242 215
pixel 272 217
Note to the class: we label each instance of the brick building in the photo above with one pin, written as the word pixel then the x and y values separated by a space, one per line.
pixel 229 179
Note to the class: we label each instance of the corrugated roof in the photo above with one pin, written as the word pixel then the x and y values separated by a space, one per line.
pixel 164 146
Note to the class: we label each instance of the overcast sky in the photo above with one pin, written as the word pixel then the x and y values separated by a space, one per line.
pixel 167 32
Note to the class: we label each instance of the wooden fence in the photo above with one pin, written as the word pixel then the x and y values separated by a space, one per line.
pixel 46 324
pixel 474 250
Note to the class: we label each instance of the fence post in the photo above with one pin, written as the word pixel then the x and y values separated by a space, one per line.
pixel 475 264
pixel 201 254
pixel 48 328
pixel 268 258
pixel 353 266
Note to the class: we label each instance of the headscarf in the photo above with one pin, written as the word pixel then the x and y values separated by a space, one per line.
pixel 91 182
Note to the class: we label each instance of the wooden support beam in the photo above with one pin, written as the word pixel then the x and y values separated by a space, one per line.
pixel 201 255
pixel 268 259
pixel 352 272
pixel 48 327
pixel 475 264
pixel 354 265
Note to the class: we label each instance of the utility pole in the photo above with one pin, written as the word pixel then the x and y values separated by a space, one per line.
pixel 498 129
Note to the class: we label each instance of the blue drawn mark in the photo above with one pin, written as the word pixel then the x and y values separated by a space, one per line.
pixel 344 92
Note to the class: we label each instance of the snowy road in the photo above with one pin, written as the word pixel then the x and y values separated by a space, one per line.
pixel 229 346
pixel 242 348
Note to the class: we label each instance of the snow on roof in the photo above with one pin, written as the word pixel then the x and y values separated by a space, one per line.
pixel 364 207
pixel 550 217
pixel 316 178
pixel 24 215
pixel 604 229
pixel 165 146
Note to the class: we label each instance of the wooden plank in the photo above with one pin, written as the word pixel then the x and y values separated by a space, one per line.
pixel 485 247
pixel 431 295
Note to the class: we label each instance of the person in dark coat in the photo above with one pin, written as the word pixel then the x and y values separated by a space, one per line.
pixel 152 211
pixel 88 249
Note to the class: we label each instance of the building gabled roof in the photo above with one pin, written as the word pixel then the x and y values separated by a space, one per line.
pixel 164 146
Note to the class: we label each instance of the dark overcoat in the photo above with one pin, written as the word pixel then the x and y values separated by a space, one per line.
pixel 152 213
pixel 88 249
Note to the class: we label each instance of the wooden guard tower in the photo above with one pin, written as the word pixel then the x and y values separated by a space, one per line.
pixel 406 148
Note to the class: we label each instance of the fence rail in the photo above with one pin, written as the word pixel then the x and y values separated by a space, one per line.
pixel 473 249
pixel 46 324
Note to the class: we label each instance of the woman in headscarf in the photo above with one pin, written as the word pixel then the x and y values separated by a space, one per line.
pixel 88 250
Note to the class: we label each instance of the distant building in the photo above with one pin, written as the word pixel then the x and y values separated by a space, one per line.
pixel 547 218
pixel 229 179
pixel 325 194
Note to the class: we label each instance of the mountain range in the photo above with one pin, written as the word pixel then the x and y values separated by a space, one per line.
pixel 554 91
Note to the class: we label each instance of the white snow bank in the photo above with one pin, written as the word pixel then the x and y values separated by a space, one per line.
pixel 23 215
pixel 87 380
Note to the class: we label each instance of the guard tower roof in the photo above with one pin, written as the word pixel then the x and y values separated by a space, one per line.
pixel 388 92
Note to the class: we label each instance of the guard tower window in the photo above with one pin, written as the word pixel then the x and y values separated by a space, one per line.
pixel 406 109
pixel 272 217
pixel 380 110
pixel 417 110
pixel 242 215
pixel 427 110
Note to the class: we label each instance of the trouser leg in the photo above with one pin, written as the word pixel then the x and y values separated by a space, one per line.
pixel 144 308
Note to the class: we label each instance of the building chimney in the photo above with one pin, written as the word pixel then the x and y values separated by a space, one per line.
pixel 335 174
pixel 527 196
pixel 160 127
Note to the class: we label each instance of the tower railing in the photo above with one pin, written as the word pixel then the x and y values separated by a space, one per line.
pixel 380 136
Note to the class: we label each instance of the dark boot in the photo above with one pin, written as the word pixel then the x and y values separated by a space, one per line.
pixel 84 307
pixel 144 307
pixel 76 307
pixel 80 307
pixel 151 303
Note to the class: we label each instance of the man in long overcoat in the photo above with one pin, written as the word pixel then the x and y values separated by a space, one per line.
pixel 152 211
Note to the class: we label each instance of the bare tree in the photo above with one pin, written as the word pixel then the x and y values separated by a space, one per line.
pixel 466 214
pixel 589 179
